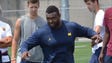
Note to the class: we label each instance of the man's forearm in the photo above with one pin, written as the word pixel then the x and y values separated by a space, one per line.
pixel 14 50
pixel 5 42
pixel 4 45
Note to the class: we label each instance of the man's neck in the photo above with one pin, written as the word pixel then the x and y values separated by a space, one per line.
pixel 59 25
pixel 97 9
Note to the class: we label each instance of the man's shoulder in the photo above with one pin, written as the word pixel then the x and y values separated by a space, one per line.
pixel 41 19
pixel 100 12
pixel 21 18
pixel 44 27
pixel 108 11
pixel 3 23
pixel 69 22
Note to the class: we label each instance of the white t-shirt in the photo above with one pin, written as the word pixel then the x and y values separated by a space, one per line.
pixel 1 32
pixel 5 31
pixel 99 21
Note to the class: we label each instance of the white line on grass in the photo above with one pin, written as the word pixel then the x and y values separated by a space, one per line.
pixel 80 46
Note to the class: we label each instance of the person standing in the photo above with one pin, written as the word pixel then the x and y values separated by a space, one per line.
pixel 93 6
pixel 5 40
pixel 107 43
pixel 24 27
pixel 57 38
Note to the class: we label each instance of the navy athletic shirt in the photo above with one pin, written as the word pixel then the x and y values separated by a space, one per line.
pixel 57 44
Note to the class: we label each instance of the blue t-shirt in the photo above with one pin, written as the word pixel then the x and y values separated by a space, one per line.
pixel 57 44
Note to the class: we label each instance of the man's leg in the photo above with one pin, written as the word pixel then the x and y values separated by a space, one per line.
pixel 108 59
pixel 93 59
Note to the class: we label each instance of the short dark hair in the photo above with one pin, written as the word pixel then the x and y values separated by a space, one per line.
pixel 91 1
pixel 51 9
pixel 33 1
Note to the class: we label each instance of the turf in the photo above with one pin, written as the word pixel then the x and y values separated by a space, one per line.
pixel 82 52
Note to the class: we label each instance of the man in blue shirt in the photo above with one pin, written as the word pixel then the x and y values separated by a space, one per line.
pixel 56 38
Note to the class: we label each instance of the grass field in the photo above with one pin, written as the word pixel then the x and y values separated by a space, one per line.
pixel 82 52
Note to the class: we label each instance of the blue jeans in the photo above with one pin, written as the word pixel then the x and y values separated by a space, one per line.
pixel 108 59
pixel 94 57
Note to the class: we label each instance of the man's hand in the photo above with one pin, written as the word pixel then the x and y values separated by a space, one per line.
pixel 6 42
pixel 101 58
pixel 93 43
pixel 25 55
pixel 13 60
pixel 96 39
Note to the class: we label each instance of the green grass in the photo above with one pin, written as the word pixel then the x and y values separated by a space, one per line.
pixel 9 51
pixel 82 52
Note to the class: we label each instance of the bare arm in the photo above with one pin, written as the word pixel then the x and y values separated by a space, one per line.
pixel 106 39
pixel 105 42
pixel 97 30
pixel 5 42
pixel 6 39
pixel 15 39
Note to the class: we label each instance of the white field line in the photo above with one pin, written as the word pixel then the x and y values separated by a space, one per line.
pixel 80 46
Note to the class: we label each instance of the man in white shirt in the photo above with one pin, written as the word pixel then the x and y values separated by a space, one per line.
pixel 93 6
pixel 5 41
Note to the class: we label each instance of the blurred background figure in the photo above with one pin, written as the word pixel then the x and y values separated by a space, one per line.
pixel 5 40
pixel 24 27
pixel 93 6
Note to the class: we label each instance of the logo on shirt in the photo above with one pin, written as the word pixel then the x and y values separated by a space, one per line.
pixel 49 39
pixel 2 28
pixel 69 34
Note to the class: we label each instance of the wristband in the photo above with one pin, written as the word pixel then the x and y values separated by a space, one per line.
pixel 13 59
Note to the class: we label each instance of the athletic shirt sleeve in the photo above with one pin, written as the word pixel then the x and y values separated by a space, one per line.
pixel 31 42
pixel 99 18
pixel 82 31
pixel 8 31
